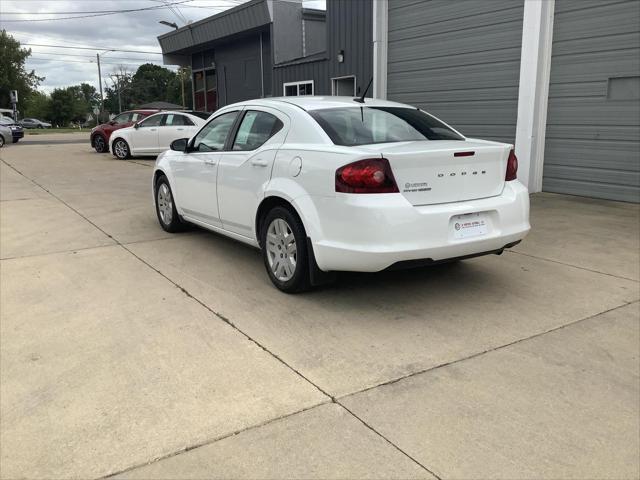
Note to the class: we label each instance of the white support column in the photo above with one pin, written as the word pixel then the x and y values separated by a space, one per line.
pixel 380 35
pixel 533 93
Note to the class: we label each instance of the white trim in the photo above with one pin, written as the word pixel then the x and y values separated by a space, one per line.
pixel 380 43
pixel 303 82
pixel 533 90
pixel 333 90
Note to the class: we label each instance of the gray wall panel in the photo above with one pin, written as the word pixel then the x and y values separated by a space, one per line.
pixel 593 133
pixel 459 60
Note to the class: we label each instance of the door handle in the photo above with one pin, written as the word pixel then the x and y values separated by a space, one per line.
pixel 259 163
pixel 180 129
pixel 210 162
pixel 152 129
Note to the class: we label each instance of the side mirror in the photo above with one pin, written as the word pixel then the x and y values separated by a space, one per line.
pixel 136 126
pixel 180 145
pixel 112 122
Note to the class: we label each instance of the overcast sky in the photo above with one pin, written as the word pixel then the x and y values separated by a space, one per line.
pixel 127 31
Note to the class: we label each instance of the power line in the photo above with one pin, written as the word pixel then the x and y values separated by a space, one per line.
pixel 84 56
pixel 87 62
pixel 92 14
pixel 89 48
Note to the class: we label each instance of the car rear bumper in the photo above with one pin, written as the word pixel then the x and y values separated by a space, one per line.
pixel 369 233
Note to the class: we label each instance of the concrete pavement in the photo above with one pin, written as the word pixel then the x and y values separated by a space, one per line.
pixel 129 351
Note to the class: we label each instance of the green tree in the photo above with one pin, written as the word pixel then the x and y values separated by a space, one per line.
pixel 37 105
pixel 151 83
pixel 13 75
pixel 174 93
pixel 68 105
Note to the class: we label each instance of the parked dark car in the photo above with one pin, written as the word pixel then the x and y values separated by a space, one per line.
pixel 16 130
pixel 34 123
pixel 100 135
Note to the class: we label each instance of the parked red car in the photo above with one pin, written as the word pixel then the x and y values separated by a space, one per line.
pixel 100 134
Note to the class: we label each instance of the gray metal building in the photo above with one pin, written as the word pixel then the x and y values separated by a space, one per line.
pixel 592 145
pixel 558 78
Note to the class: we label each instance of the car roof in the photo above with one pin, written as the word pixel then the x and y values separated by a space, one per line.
pixel 312 102
pixel 142 111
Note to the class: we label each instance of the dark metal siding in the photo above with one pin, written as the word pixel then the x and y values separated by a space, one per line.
pixel 350 28
pixel 593 124
pixel 238 70
pixel 316 71
pixel 459 60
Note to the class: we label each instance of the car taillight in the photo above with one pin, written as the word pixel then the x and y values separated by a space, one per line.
pixel 366 176
pixel 512 167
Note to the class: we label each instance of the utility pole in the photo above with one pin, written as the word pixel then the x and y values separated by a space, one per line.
pixel 182 72
pixel 100 83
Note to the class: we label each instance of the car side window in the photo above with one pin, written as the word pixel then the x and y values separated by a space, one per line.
pixel 152 121
pixel 136 116
pixel 214 135
pixel 256 128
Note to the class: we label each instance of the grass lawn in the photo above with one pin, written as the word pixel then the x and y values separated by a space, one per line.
pixel 45 131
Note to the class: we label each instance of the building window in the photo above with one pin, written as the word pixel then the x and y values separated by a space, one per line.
pixel 344 86
pixel 294 89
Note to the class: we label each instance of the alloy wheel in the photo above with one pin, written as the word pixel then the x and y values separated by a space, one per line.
pixel 121 149
pixel 282 251
pixel 165 204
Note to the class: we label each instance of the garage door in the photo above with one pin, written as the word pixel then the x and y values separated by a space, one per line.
pixel 593 123
pixel 459 60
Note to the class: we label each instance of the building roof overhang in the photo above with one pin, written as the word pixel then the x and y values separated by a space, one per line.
pixel 236 20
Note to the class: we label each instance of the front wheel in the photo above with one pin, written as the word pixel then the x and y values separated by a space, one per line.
pixel 1 141
pixel 168 216
pixel 15 140
pixel 284 250
pixel 100 144
pixel 121 149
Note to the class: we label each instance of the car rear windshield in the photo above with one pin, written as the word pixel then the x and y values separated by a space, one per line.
pixel 366 125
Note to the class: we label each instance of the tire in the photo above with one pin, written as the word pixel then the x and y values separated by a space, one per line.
pixel 286 259
pixel 14 140
pixel 166 211
pixel 121 149
pixel 1 141
pixel 100 144
pixel 40 126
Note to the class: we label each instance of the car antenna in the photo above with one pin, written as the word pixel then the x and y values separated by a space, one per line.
pixel 361 98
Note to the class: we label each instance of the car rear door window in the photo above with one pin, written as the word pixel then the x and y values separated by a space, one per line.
pixel 256 128
pixel 152 121
pixel 214 135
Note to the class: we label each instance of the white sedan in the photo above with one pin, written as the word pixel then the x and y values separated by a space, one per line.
pixel 155 133
pixel 326 184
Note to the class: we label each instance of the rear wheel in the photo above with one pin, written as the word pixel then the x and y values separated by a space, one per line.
pixel 284 250
pixel 121 149
pixel 168 216
pixel 100 144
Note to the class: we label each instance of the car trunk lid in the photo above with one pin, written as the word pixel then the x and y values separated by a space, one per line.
pixel 442 171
